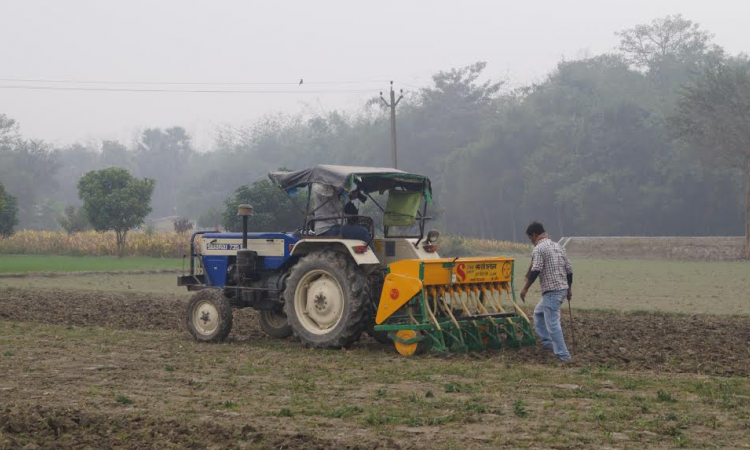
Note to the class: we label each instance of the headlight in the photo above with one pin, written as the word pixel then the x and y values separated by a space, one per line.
pixel 433 236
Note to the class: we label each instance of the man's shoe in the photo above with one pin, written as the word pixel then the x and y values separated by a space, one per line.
pixel 565 361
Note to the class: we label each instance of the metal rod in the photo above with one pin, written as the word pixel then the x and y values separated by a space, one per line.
pixel 572 328
pixel 244 232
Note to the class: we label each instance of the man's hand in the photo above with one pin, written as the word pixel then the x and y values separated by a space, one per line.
pixel 570 294
pixel 524 291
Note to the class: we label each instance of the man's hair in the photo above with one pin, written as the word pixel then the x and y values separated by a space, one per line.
pixel 534 228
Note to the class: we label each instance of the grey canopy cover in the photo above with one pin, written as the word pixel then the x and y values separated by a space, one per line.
pixel 347 178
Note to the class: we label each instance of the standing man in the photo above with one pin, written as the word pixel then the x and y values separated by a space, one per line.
pixel 550 264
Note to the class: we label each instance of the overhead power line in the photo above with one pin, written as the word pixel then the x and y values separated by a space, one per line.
pixel 194 91
pixel 186 83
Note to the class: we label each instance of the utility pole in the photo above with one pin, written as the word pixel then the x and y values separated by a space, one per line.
pixel 392 105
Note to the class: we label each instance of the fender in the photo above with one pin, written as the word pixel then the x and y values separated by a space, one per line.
pixel 306 246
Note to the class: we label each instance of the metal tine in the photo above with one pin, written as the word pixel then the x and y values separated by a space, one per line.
pixel 466 296
pixel 480 306
pixel 497 297
pixel 515 305
pixel 477 302
pixel 459 296
pixel 487 298
pixel 447 294
pixel 432 292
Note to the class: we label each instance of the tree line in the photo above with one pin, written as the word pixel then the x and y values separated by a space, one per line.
pixel 651 138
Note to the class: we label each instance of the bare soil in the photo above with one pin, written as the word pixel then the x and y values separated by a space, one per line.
pixel 85 369
pixel 705 344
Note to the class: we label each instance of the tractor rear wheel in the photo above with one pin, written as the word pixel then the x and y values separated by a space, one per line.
pixel 209 316
pixel 274 323
pixel 326 300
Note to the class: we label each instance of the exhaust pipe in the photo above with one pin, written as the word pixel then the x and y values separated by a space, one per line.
pixel 244 211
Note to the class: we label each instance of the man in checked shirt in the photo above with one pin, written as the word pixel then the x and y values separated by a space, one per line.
pixel 550 264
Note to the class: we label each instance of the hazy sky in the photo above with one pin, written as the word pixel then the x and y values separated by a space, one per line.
pixel 324 42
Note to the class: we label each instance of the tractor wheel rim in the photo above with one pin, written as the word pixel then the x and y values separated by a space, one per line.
pixel 319 302
pixel 205 318
pixel 275 319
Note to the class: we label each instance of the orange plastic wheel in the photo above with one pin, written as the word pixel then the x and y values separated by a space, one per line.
pixel 406 349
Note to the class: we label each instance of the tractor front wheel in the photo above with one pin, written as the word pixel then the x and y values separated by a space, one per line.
pixel 209 316
pixel 326 299
pixel 274 323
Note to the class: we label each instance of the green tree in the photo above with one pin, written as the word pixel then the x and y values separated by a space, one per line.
pixel 115 200
pixel 713 114
pixel 74 220
pixel 8 212
pixel 272 209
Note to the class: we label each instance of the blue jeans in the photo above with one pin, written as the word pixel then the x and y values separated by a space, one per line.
pixel 547 322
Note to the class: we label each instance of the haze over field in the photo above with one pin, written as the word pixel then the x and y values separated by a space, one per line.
pixel 596 118
pixel 281 42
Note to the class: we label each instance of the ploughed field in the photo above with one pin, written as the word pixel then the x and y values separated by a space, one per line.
pixel 104 361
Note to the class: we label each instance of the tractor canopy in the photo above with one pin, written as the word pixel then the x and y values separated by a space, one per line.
pixel 348 178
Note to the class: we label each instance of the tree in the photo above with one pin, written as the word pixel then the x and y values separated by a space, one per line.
pixel 27 169
pixel 115 200
pixel 182 225
pixel 671 38
pixel 74 220
pixel 713 114
pixel 272 209
pixel 8 212
pixel 163 155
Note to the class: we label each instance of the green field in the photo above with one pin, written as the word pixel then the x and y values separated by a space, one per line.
pixel 47 263
pixel 669 286
pixel 626 285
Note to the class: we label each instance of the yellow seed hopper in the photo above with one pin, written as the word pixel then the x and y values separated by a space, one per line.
pixel 451 304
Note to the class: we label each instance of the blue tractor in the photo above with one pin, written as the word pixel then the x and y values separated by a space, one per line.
pixel 321 283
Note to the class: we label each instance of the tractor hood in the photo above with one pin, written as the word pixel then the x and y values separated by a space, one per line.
pixel 348 178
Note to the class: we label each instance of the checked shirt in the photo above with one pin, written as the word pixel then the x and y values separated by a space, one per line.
pixel 553 265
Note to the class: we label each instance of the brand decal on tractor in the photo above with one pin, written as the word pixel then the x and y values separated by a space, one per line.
pixel 220 246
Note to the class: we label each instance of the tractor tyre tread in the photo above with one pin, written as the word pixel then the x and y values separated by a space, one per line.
pixel 356 293
pixel 215 296
pixel 271 330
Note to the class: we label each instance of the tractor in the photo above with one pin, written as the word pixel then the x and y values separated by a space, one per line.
pixel 346 272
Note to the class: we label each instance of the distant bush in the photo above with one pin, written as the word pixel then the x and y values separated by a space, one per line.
pixel 74 220
pixel 8 212
pixel 182 225
pixel 464 246
pixel 92 243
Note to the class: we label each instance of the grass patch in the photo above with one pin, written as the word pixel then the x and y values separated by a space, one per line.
pixel 47 263
pixel 459 387
pixel 665 397
pixel 519 409
pixel 344 412
pixel 124 400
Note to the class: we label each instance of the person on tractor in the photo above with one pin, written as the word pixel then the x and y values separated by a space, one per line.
pixel 328 205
